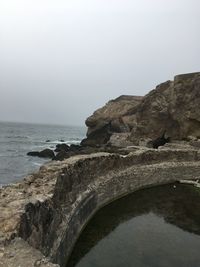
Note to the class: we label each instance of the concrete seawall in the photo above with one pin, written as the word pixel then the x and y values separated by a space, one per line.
pixel 45 213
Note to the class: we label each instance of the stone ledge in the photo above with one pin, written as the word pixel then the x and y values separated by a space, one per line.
pixel 50 208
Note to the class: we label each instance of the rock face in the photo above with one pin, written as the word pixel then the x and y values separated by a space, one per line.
pixel 172 107
pixel 117 116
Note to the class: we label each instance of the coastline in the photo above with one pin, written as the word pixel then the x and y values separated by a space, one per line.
pixel 132 143
pixel 47 211
pixel 17 139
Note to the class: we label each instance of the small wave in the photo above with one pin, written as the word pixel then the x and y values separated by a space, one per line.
pixel 73 141
pixel 11 150
pixel 37 164
pixel 57 142
pixel 17 137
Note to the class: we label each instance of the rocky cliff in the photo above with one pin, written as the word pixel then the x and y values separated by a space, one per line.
pixel 117 116
pixel 172 106
pixel 42 216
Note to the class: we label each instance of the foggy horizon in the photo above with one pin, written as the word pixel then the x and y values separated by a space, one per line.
pixel 62 60
pixel 43 123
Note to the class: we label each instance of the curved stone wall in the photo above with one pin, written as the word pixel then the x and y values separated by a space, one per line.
pixel 64 195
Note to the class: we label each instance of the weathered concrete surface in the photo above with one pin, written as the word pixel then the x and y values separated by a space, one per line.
pixel 50 208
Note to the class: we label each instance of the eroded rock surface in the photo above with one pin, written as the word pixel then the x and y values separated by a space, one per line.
pixel 18 253
pixel 117 115
pixel 172 106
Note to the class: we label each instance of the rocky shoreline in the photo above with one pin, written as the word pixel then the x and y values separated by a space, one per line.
pixel 42 216
pixel 169 112
pixel 45 213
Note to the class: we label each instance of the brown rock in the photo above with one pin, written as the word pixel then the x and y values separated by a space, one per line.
pixel 116 116
pixel 172 107
pixel 61 147
pixel 46 153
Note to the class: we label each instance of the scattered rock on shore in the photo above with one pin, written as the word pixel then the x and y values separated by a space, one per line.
pixel 61 155
pixel 61 147
pixel 33 153
pixel 46 153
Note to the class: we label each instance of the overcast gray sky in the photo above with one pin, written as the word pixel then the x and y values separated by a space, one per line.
pixel 62 59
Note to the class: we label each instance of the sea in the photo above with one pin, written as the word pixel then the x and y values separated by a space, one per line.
pixel 17 139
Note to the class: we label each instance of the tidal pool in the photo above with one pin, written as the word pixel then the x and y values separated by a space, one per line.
pixel 155 227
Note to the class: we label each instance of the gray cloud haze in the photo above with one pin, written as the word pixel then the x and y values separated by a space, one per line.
pixel 62 59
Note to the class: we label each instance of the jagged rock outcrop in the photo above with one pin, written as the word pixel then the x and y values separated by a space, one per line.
pixel 172 107
pixel 117 116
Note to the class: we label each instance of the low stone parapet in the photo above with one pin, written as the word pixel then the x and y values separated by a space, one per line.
pixel 42 216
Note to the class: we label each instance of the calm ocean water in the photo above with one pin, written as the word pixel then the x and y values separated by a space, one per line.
pixel 16 139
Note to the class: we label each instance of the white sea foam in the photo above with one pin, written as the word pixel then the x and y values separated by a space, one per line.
pixel 18 139
pixel 65 142
pixel 37 164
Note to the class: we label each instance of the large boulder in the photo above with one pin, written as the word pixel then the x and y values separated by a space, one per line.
pixel 61 155
pixel 46 153
pixel 116 116
pixel 33 153
pixel 61 147
pixel 172 107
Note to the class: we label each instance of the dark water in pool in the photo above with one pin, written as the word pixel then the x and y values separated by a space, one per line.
pixel 157 227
